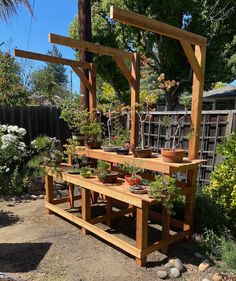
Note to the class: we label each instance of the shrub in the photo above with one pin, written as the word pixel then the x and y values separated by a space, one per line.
pixel 13 154
pixel 228 254
pixel 222 187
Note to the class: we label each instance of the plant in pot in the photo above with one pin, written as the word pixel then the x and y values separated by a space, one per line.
pixel 176 154
pixel 141 188
pixel 142 110
pixel 164 191
pixel 72 114
pixel 103 173
pixel 91 129
pixel 85 171
pixel 46 151
pixel 132 168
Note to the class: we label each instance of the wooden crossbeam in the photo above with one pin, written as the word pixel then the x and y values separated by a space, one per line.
pixel 155 26
pixel 88 46
pixel 125 70
pixel 192 59
pixel 51 59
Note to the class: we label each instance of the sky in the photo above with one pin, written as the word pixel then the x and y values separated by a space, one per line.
pixel 51 16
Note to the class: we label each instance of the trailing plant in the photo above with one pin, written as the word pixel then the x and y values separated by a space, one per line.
pixel 46 151
pixel 13 156
pixel 164 191
pixel 222 187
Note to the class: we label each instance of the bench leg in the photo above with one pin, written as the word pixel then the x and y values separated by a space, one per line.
pixel 165 227
pixel 109 209
pixel 86 207
pixel 49 191
pixel 71 194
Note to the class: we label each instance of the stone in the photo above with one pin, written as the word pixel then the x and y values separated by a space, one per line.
pixel 41 196
pixel 174 273
pixel 33 197
pixel 217 277
pixel 171 261
pixel 205 279
pixel 203 266
pixel 179 265
pixel 168 265
pixel 162 274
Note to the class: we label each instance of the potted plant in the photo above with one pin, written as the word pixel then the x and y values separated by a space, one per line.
pixel 164 191
pixel 91 129
pixel 141 188
pixel 46 151
pixel 132 168
pixel 85 171
pixel 72 114
pixel 103 173
pixel 176 154
pixel 142 151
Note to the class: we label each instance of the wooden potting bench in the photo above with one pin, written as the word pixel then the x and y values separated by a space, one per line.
pixel 139 203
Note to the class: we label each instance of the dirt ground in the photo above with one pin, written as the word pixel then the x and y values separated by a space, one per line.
pixel 41 247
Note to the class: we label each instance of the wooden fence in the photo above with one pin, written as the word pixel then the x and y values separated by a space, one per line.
pixel 42 120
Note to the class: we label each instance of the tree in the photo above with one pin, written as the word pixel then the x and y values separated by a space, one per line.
pixel 213 19
pixel 12 92
pixel 51 80
pixel 9 7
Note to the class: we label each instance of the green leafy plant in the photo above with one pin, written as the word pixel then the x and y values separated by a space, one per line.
pixel 132 167
pixel 90 127
pixel 46 151
pixel 222 187
pixel 102 166
pixel 228 254
pixel 164 191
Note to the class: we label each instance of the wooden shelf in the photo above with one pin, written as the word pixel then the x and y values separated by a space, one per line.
pixel 154 164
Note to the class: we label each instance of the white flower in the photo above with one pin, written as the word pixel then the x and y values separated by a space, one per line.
pixel 15 158
pixel 7 169
pixel 22 131
pixel 21 146
pixel 12 129
pixel 7 140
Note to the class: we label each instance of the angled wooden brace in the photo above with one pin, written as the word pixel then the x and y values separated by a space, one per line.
pixel 125 70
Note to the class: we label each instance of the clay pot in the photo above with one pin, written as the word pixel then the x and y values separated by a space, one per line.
pixel 111 177
pixel 142 153
pixel 132 181
pixel 171 155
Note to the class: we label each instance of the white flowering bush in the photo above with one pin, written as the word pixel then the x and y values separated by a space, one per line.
pixel 13 155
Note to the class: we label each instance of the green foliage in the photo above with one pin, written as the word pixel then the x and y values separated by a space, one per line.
pixel 46 151
pixel 102 166
pixel 70 148
pixel 164 191
pixel 228 253
pixel 13 155
pixel 9 7
pixel 50 81
pixel 12 91
pixel 222 187
pixel 132 167
pixel 90 127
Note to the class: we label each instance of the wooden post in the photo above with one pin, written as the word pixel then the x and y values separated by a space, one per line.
pixel 109 209
pixel 86 208
pixel 71 194
pixel 92 92
pixel 142 232
pixel 198 84
pixel 134 130
pixel 165 227
pixel 49 191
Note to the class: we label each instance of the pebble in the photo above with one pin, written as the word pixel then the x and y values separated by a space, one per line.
pixel 174 272
pixel 203 266
pixel 205 279
pixel 41 196
pixel 168 265
pixel 217 277
pixel 171 261
pixel 33 197
pixel 179 265
pixel 162 274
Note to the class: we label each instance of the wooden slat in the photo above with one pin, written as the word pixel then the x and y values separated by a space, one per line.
pixel 97 231
pixel 200 53
pixel 192 59
pixel 155 26
pixel 83 78
pixel 125 70
pixel 51 59
pixel 88 46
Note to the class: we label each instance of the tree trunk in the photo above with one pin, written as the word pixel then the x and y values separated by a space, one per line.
pixel 84 21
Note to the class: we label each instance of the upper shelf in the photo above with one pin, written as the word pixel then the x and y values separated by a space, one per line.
pixel 154 164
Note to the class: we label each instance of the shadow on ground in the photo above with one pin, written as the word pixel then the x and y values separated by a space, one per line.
pixel 22 257
pixel 8 218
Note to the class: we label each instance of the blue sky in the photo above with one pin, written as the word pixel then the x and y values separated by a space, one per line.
pixel 51 16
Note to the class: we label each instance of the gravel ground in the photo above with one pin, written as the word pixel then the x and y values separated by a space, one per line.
pixel 40 247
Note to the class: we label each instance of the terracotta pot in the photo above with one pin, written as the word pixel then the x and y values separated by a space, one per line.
pixel 111 177
pixel 171 155
pixel 132 181
pixel 93 144
pixel 142 153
